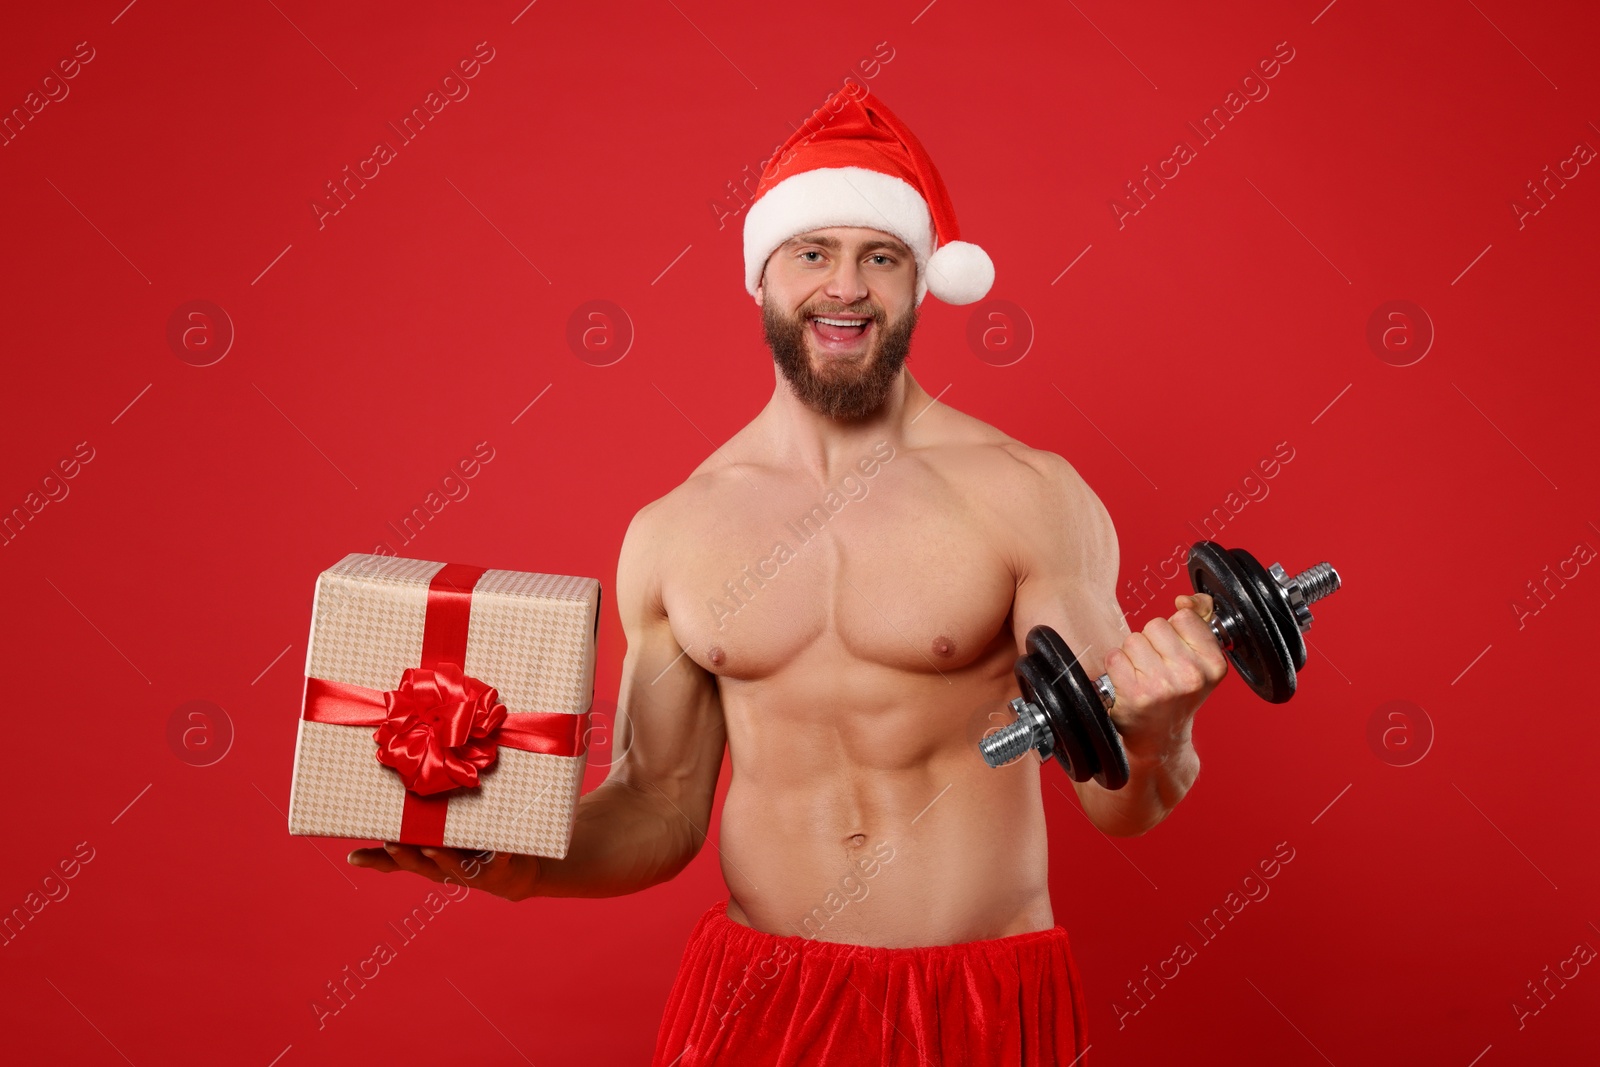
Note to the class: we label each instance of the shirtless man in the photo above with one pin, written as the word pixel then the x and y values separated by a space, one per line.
pixel 838 594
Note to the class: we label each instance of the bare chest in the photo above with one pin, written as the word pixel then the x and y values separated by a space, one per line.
pixel 901 572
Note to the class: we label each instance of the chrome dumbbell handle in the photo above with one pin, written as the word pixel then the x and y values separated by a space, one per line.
pixel 1030 731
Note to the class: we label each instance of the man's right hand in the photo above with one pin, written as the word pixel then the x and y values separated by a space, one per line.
pixel 500 873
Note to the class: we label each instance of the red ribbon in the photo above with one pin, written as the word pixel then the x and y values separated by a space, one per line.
pixel 441 728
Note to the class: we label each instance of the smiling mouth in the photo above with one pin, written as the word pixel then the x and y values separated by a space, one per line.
pixel 839 333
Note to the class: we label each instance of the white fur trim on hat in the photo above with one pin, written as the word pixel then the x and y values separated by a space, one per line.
pixel 844 196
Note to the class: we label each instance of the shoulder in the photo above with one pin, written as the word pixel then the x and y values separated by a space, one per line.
pixel 1020 480
pixel 662 531
pixel 717 478
pixel 657 525
pixel 649 539
pixel 1052 483
pixel 1059 509
pixel 1048 514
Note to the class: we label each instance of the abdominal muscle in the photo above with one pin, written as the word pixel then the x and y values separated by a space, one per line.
pixel 879 823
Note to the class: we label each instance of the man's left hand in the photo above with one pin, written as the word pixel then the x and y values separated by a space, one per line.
pixel 1162 675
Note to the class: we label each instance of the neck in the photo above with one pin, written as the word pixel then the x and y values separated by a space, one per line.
pixel 799 436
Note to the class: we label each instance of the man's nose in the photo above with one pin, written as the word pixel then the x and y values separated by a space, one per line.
pixel 846 284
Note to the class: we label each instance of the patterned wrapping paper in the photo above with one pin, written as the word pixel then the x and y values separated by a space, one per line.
pixel 531 636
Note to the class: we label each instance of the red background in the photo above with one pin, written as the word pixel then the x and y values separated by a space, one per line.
pixel 373 353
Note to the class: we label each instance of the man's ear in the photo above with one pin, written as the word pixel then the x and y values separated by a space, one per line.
pixel 761 290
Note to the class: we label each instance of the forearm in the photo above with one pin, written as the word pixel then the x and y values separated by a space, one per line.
pixel 1156 783
pixel 624 839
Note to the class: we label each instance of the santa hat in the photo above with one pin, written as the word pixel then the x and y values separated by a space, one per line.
pixel 854 163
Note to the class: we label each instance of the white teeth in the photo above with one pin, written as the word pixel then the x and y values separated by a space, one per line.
pixel 841 322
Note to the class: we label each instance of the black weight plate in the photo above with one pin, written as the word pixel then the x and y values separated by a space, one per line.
pixel 1071 750
pixel 1111 761
pixel 1267 590
pixel 1260 653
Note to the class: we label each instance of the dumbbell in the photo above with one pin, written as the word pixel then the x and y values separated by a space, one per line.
pixel 1258 615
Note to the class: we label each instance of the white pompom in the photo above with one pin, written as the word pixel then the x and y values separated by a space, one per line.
pixel 960 273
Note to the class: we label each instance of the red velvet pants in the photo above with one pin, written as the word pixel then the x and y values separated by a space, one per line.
pixel 743 997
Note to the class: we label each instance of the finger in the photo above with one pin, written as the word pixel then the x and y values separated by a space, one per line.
pixel 410 858
pixel 1165 639
pixel 449 861
pixel 1200 603
pixel 1201 644
pixel 1184 664
pixel 372 858
pixel 1142 654
pixel 1119 668
pixel 1128 685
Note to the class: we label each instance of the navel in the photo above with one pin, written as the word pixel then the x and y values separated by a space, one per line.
pixel 943 646
pixel 856 840
pixel 715 655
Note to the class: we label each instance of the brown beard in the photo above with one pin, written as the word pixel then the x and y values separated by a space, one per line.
pixel 846 392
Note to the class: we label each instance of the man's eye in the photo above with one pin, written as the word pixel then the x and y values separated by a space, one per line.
pixel 883 259
pixel 813 252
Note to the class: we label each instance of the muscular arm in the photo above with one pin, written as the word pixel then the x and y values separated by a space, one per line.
pixel 648 819
pixel 1067 560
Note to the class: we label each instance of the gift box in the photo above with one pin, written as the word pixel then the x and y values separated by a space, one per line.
pixel 445 704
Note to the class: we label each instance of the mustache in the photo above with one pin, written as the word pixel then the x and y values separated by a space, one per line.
pixel 837 310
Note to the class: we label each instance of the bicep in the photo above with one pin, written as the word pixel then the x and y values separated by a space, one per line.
pixel 1067 564
pixel 670 734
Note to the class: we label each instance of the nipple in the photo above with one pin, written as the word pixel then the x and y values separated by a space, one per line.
pixel 715 655
pixel 943 646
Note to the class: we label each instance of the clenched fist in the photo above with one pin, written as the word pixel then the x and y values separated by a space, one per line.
pixel 1162 675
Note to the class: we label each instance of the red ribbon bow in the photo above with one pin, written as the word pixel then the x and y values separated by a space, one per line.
pixel 439 730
